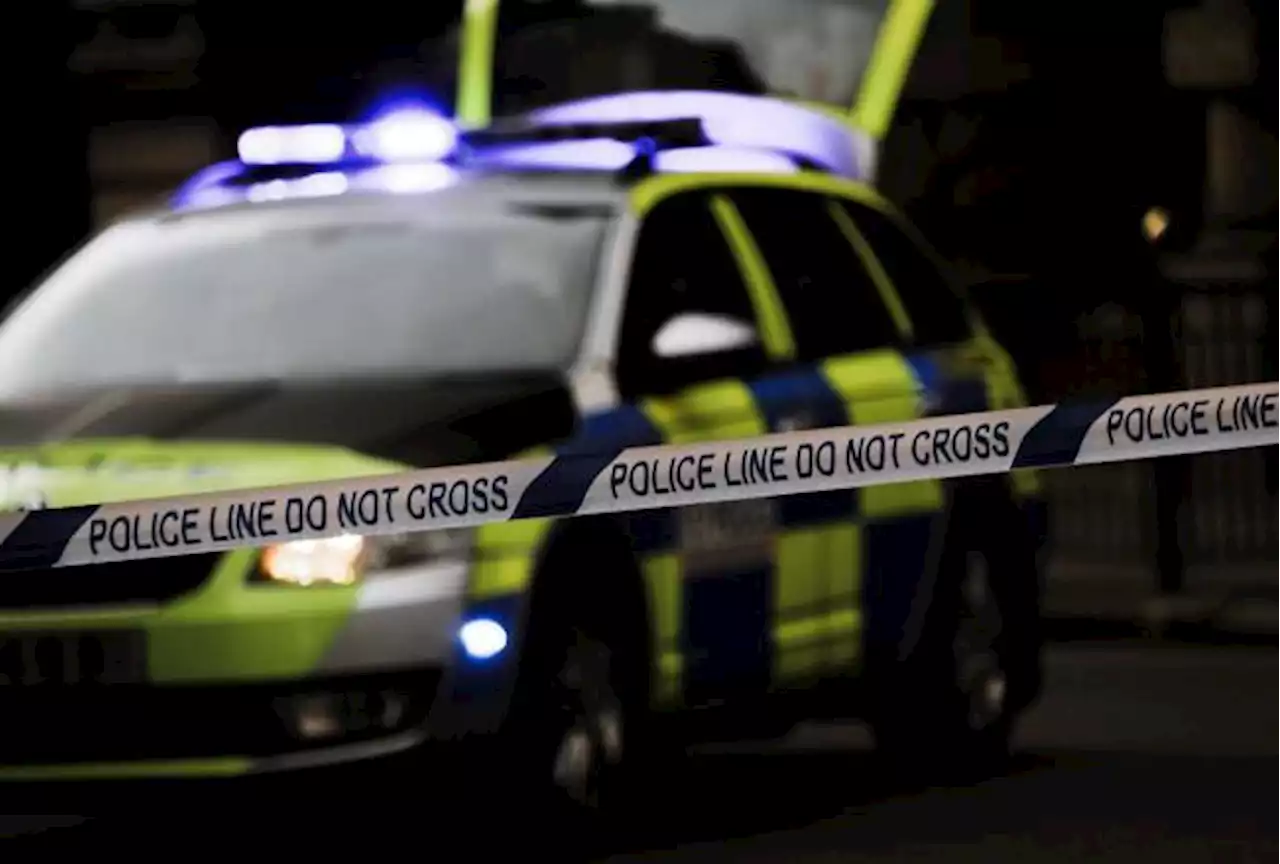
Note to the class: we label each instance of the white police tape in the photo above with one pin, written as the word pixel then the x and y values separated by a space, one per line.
pixel 641 478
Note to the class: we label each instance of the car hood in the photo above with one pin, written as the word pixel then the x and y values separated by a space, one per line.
pixel 104 446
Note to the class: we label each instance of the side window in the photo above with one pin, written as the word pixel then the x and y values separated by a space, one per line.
pixel 688 317
pixel 828 294
pixel 937 313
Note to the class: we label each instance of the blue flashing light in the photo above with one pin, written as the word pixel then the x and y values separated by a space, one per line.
pixel 405 134
pixel 314 144
pixel 734 120
pixel 483 638
pixel 407 147
pixel 601 154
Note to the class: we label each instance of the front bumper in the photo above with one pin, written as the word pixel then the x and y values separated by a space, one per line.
pixel 209 731
pixel 227 679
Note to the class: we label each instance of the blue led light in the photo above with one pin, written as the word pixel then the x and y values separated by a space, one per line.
pixel 314 144
pixel 733 120
pixel 406 134
pixel 483 638
pixel 409 133
pixel 408 147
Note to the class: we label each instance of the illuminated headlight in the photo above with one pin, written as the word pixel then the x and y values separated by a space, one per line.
pixel 347 559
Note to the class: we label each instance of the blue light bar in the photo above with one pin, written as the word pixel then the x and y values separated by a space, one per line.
pixel 314 144
pixel 735 120
pixel 410 134
pixel 598 154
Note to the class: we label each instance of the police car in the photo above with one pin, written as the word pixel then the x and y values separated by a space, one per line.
pixel 631 268
pixel 345 301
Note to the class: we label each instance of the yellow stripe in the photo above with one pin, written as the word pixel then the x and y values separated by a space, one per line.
pixel 775 329
pixel 506 553
pixel 1004 391
pixel 706 412
pixel 663 575
pixel 881 387
pixel 718 409
pixel 884 285
pixel 475 63
pixel 816 618
pixel 228 766
pixel 653 190
pixel 886 72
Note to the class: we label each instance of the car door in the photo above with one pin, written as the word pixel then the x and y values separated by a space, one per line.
pixel 850 369
pixel 693 337
pixel 965 367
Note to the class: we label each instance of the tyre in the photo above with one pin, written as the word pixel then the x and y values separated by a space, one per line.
pixel 579 715
pixel 948 711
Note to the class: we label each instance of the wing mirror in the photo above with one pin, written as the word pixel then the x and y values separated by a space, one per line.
pixel 695 333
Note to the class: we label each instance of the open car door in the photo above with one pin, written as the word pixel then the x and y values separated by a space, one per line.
pixel 846 59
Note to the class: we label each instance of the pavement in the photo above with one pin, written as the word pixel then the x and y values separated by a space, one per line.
pixel 1139 751
pixel 1221 605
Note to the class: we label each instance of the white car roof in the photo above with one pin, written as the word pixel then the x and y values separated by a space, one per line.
pixel 474 191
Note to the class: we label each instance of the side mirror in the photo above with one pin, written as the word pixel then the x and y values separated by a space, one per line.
pixel 695 333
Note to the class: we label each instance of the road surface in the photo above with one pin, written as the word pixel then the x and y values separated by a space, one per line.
pixel 1138 753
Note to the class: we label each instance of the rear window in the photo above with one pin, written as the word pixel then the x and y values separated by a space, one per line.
pixel 348 290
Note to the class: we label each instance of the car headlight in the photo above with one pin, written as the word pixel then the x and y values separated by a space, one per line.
pixel 347 559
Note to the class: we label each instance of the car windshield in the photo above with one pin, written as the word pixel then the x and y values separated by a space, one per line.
pixel 346 290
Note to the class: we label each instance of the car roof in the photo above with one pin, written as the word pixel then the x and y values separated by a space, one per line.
pixel 465 190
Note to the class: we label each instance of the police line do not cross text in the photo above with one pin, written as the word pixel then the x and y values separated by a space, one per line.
pixel 649 477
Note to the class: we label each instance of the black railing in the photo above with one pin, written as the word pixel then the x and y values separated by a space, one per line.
pixel 1114 540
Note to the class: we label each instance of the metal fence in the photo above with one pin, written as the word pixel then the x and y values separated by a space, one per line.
pixel 1104 533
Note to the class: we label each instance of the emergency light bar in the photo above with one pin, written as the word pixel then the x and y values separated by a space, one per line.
pixel 669 119
pixel 404 135
pixel 734 120
pixel 633 134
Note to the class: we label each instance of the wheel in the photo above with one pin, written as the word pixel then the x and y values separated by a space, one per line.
pixel 579 712
pixel 948 711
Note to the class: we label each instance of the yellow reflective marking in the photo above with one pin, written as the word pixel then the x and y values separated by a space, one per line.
pixel 505 556
pixel 1004 392
pixel 775 329
pixel 475 63
pixel 706 412
pixel 821 645
pixel 844 550
pixel 229 631
pixel 219 767
pixel 884 285
pixel 653 190
pixel 818 569
pixel 880 387
pixel 663 578
pixel 886 72
pixel 797 590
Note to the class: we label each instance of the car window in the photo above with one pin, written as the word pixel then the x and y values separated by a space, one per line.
pixel 322 291
pixel 829 296
pixel 683 271
pixel 937 313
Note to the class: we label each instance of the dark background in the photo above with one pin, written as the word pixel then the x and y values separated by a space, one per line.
pixel 1032 139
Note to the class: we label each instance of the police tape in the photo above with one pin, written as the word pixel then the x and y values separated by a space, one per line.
pixel 641 478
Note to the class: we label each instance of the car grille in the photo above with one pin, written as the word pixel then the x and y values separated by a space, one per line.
pixel 60 724
pixel 151 580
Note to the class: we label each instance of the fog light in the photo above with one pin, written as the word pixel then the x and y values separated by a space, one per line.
pixel 317 717
pixel 394 709
pixel 325 716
